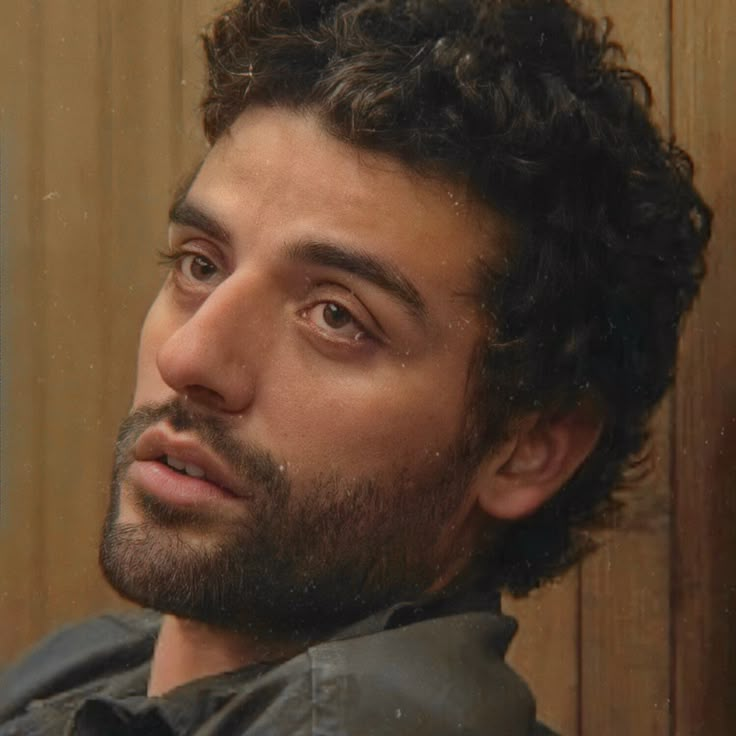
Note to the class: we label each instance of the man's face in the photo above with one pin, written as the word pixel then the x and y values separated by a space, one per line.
pixel 309 351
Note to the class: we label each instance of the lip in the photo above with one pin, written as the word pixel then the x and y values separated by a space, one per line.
pixel 158 441
pixel 168 485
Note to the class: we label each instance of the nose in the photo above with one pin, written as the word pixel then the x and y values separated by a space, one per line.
pixel 214 354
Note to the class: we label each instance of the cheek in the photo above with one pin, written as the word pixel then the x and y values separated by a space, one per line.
pixel 362 422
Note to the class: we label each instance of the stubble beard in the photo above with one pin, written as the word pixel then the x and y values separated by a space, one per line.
pixel 299 563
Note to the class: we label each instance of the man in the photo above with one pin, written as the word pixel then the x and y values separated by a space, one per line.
pixel 424 293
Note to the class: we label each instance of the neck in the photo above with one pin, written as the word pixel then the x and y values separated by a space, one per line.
pixel 188 650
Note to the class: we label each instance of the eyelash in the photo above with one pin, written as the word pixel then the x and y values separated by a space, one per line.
pixel 173 260
pixel 362 334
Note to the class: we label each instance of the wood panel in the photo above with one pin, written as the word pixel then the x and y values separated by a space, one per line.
pixel 72 454
pixel 22 323
pixel 546 650
pixel 196 14
pixel 625 635
pixel 144 91
pixel 704 461
pixel 98 125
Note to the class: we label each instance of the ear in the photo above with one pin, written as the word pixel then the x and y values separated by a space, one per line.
pixel 542 454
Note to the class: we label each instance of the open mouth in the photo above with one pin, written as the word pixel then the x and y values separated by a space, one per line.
pixel 162 458
pixel 180 483
pixel 193 471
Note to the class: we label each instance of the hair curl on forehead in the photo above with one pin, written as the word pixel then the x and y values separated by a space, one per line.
pixel 531 103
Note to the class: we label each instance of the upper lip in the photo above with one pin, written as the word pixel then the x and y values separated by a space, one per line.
pixel 158 441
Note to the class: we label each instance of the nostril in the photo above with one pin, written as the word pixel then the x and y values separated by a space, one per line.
pixel 204 395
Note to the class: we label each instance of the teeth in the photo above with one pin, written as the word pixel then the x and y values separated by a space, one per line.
pixel 174 463
pixel 194 470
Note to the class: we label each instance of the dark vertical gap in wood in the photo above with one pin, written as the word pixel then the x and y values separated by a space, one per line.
pixel 579 649
pixel 672 439
pixel 670 67
pixel 673 573
pixel 672 418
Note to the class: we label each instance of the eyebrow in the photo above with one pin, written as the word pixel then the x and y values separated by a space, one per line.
pixel 363 265
pixel 381 273
pixel 186 214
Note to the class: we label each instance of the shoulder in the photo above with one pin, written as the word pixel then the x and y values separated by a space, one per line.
pixel 433 677
pixel 76 655
pixel 438 676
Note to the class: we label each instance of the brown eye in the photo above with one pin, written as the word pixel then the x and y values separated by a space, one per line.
pixel 198 268
pixel 335 322
pixel 335 316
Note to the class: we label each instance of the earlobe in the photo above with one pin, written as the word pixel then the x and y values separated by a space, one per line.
pixel 542 455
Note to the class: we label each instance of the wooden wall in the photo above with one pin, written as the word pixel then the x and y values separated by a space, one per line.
pixel 98 101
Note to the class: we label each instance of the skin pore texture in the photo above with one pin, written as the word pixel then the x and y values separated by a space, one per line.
pixel 311 346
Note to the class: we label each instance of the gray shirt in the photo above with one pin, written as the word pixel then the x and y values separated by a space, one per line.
pixel 414 669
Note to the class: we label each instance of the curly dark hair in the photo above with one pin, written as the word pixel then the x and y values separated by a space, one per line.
pixel 530 103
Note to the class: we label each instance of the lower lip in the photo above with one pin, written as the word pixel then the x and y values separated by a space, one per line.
pixel 176 488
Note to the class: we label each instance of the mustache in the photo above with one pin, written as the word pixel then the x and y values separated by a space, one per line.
pixel 254 464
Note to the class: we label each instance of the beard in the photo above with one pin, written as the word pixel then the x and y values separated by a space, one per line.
pixel 300 561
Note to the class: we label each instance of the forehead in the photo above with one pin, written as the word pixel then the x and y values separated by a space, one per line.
pixel 278 176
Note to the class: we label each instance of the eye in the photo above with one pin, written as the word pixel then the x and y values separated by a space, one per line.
pixel 335 320
pixel 196 267
pixel 189 266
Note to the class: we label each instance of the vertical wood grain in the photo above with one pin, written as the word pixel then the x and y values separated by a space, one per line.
pixel 23 328
pixel 704 463
pixel 545 651
pixel 196 14
pixel 95 136
pixel 144 98
pixel 74 455
pixel 625 629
